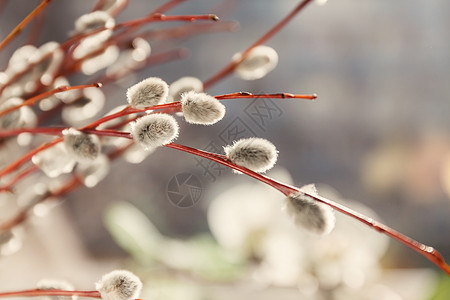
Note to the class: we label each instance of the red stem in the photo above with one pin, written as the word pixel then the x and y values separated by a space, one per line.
pixel 23 23
pixel 274 96
pixel 51 292
pixel 163 18
pixel 233 64
pixel 187 30
pixel 166 6
pixel 133 23
pixel 8 187
pixel 16 164
pixel 427 251
pixel 35 30
pixel 47 94
pixel 223 160
pixel 75 182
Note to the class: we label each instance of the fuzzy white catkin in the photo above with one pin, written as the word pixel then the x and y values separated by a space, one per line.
pixel 119 285
pixel 93 172
pixel 148 92
pixel 154 130
pixel 94 20
pixel 201 108
pixel 309 214
pixel 256 154
pixel 260 61
pixel 87 106
pixel 105 59
pixel 54 161
pixel 50 284
pixel 83 147
pixel 184 85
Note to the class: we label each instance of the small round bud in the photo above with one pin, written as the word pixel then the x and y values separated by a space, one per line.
pixel 83 147
pixel 321 2
pixel 119 285
pixel 154 130
pixel 201 108
pixel 86 106
pixel 47 68
pixel 94 20
pixel 111 6
pixel 101 61
pixel 148 92
pixel 308 213
pixel 184 85
pixel 93 172
pixel 51 284
pixel 260 61
pixel 256 154
pixel 54 161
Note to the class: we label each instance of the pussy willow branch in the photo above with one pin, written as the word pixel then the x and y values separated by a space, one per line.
pixel 427 251
pixel 23 23
pixel 153 18
pixel 50 292
pixel 126 111
pixel 60 89
pixel 233 64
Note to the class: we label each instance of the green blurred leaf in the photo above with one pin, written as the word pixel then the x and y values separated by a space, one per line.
pixel 203 256
pixel 442 291
pixel 133 231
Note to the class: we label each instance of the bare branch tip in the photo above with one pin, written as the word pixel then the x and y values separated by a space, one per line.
pixel 213 17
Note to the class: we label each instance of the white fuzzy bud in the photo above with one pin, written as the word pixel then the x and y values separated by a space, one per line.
pixel 91 22
pixel 184 85
pixel 154 130
pixel 94 20
pixel 260 61
pixel 307 213
pixel 51 284
pixel 201 108
pixel 256 154
pixel 54 161
pixel 101 61
pixel 47 68
pixel 83 147
pixel 19 60
pixel 93 172
pixel 148 92
pixel 111 6
pixel 119 285
pixel 321 2
pixel 86 106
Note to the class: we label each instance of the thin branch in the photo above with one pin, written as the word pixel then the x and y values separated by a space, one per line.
pixel 233 64
pixel 23 23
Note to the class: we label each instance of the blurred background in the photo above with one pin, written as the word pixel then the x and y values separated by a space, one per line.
pixel 377 135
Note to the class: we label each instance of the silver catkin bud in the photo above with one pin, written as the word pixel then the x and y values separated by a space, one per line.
pixel 83 147
pixel 201 108
pixel 256 154
pixel 148 92
pixel 154 130
pixel 308 213
pixel 119 285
